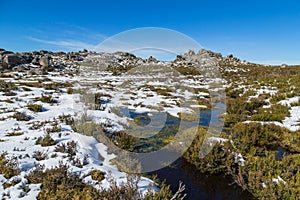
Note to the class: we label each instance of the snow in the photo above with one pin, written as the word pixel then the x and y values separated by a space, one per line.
pixel 278 180
pixel 239 159
pixel 293 122
pixel 287 102
pixel 264 90
pixel 218 139
pixel 24 146
pixel 198 106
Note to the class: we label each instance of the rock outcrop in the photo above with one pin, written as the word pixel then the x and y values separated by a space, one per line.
pixel 117 62
pixel 45 61
pixel 11 60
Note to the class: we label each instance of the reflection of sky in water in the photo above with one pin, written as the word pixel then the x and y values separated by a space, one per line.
pixel 199 185
pixel 152 127
pixel 206 116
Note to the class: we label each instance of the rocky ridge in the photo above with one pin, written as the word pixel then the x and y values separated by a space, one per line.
pixel 39 62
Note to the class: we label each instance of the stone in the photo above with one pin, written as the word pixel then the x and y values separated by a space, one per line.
pixel 11 60
pixel 28 58
pixel 179 58
pixel 151 59
pixel 230 56
pixel 6 52
pixel 191 52
pixel 35 60
pixel 43 52
pixel 283 66
pixel 45 61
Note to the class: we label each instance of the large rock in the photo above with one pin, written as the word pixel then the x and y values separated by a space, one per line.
pixel 35 60
pixel 45 61
pixel 230 56
pixel 191 52
pixel 4 52
pixel 11 60
pixel 151 59
pixel 179 58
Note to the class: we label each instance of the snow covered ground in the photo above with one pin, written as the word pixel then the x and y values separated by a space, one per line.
pixel 139 92
pixel 19 140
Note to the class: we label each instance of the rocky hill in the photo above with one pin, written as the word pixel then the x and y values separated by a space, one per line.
pixel 38 62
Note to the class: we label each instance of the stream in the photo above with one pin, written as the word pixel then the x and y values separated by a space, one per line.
pixel 199 186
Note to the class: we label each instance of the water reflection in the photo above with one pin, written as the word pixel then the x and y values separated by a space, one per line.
pixel 198 185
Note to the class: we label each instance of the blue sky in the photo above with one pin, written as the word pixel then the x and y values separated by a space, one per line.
pixel 258 31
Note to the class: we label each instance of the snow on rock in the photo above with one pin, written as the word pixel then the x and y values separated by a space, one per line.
pixel 239 159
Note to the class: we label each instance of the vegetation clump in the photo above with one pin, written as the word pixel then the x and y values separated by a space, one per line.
pixel 70 148
pixel 97 175
pixel 7 86
pixel 45 141
pixel 21 116
pixel 39 155
pixel 8 167
pixel 59 183
pixel 35 107
pixel 14 133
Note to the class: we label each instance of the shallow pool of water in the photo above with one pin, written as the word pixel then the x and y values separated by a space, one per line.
pixel 198 185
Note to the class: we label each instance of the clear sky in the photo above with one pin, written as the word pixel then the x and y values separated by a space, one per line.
pixel 259 31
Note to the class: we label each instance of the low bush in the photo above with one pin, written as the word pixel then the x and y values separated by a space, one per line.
pixel 70 90
pixel 188 70
pixel 264 117
pixel 45 141
pixel 7 86
pixel 67 119
pixel 247 135
pixel 21 116
pixel 8 167
pixel 56 85
pixel 35 107
pixel 13 182
pixel 54 129
pixel 15 133
pixel 58 183
pixel 70 148
pixel 97 175
pixel 276 112
pixel 46 99
pixel 39 155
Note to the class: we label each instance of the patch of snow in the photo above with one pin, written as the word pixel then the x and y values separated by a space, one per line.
pixel 287 102
pixel 278 180
pixel 239 159
pixel 293 122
